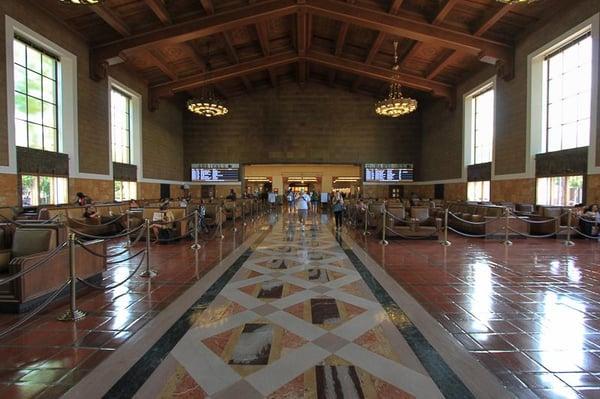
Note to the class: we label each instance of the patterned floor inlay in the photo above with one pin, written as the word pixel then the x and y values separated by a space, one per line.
pixel 293 318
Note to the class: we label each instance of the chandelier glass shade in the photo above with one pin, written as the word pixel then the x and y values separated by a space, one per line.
pixel 395 104
pixel 83 2
pixel 207 104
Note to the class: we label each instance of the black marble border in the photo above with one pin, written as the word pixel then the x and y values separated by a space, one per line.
pixel 138 374
pixel 444 377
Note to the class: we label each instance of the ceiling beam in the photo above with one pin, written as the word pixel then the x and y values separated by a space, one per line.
pixel 208 6
pixel 379 73
pixel 196 28
pixel 159 9
pixel 251 14
pixel 112 19
pixel 339 47
pixel 439 18
pixel 394 9
pixel 483 27
pixel 273 61
pixel 156 60
pixel 301 45
pixel 221 74
pixel 487 49
pixel 262 32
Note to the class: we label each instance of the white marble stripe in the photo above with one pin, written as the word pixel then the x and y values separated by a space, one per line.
pixel 297 281
pixel 257 268
pixel 205 367
pixel 359 325
pixel 293 299
pixel 247 301
pixel 354 300
pixel 391 372
pixel 297 326
pixel 195 334
pixel 279 373
pixel 250 281
pixel 340 282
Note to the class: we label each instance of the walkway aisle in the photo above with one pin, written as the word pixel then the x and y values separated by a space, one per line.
pixel 296 320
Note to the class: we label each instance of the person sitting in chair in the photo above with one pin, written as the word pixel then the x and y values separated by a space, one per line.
pixel 164 220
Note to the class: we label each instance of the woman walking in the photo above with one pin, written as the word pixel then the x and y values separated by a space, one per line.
pixel 338 209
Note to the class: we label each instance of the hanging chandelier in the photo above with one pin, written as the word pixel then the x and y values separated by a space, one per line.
pixel 395 104
pixel 207 104
pixel 83 2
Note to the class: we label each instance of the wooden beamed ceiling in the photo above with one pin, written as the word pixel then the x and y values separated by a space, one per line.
pixel 261 43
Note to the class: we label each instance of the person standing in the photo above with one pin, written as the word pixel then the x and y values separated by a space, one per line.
pixel 338 209
pixel 291 198
pixel 314 201
pixel 302 204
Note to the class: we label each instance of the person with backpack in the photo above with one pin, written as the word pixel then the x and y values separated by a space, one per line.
pixel 338 209
pixel 302 204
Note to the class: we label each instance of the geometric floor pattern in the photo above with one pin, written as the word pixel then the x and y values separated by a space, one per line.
pixel 296 321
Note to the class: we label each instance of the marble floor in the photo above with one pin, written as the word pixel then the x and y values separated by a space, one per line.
pixel 296 315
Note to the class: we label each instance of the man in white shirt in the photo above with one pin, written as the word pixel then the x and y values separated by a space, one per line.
pixel 302 205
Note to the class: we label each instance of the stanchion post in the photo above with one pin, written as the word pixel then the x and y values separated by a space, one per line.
pixel 72 313
pixel 252 211
pixel 383 240
pixel 128 227
pixel 221 236
pixel 244 213
pixel 196 245
pixel 568 242
pixel 233 218
pixel 148 272
pixel 506 241
pixel 445 241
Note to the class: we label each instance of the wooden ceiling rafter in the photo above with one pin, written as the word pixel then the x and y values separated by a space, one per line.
pixel 156 60
pixel 301 45
pixel 226 42
pixel 262 32
pixel 394 9
pixel 437 20
pixel 159 9
pixel 486 25
pixel 320 58
pixel 339 45
pixel 112 19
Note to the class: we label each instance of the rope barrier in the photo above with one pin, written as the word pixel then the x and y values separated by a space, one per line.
pixel 94 237
pixel 435 233
pixel 112 221
pixel 474 235
pixel 29 222
pixel 174 220
pixel 526 220
pixel 537 236
pixel 112 287
pixel 37 264
pixel 34 312
pixel 474 223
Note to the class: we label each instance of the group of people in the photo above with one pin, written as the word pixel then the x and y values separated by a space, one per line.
pixel 301 202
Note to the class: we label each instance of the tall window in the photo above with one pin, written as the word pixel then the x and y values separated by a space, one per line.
pixel 483 126
pixel 568 97
pixel 478 191
pixel 125 190
pixel 121 126
pixel 36 105
pixel 560 190
pixel 43 190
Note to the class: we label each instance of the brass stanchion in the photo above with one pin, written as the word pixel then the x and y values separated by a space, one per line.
pixel 148 272
pixel 72 313
pixel 234 216
pixel 196 245
pixel 506 241
pixel 128 228
pixel 220 210
pixel 568 242
pixel 243 213
pixel 383 241
pixel 366 232
pixel 445 241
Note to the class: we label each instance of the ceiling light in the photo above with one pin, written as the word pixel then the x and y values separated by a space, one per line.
pixel 395 104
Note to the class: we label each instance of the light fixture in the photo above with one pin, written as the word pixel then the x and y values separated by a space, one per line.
pixel 395 104
pixel 83 2
pixel 207 104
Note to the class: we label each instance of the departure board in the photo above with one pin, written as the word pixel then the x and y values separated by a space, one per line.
pixel 388 173
pixel 216 172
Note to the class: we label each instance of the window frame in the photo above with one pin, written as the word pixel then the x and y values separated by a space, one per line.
pixel 37 178
pixel 129 182
pixel 483 186
pixel 474 97
pixel 129 146
pixel 29 44
pixel 566 177
pixel 572 41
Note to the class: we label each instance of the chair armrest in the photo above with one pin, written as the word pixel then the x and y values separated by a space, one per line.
pixel 5 255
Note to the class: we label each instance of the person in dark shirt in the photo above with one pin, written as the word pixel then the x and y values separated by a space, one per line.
pixel 232 196
pixel 82 199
